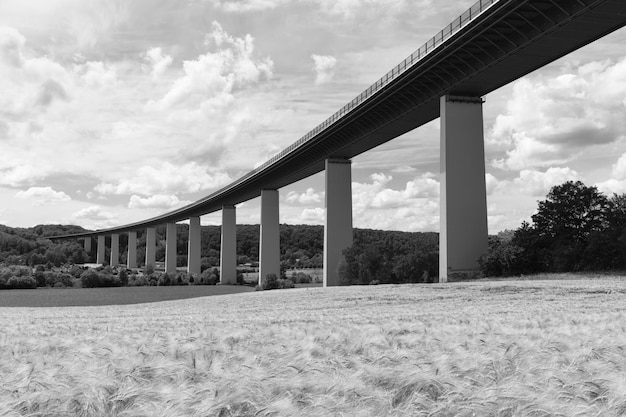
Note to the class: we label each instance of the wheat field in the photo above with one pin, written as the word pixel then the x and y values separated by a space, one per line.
pixel 507 348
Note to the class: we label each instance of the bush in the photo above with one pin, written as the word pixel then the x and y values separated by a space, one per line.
pixel 285 283
pixel 123 276
pixel 89 279
pixel 501 258
pixel 302 278
pixel 165 280
pixel 52 277
pixel 138 281
pixel 270 282
pixel 93 279
pixel 182 278
pixel 208 277
pixel 21 282
pixel 16 277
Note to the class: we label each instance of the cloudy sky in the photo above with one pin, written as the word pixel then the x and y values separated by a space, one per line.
pixel 112 111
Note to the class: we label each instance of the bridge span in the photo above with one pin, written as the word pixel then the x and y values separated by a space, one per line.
pixel 488 46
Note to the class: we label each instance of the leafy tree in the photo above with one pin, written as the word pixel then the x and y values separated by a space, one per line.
pixel 571 212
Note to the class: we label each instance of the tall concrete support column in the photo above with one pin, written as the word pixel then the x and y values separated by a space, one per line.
pixel 101 250
pixel 170 248
pixel 228 253
pixel 193 248
pixel 463 199
pixel 269 241
pixel 338 223
pixel 87 244
pixel 150 246
pixel 131 259
pixel 115 249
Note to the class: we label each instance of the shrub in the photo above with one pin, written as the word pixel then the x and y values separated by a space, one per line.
pixel 501 258
pixel 123 277
pixel 270 282
pixel 93 279
pixel 21 282
pixel 76 271
pixel 89 279
pixel 107 280
pixel 138 281
pixel 302 278
pixel 52 277
pixel 165 280
pixel 208 277
pixel 182 278
pixel 40 278
pixel 285 283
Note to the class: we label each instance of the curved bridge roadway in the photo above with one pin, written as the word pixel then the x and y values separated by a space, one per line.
pixel 491 44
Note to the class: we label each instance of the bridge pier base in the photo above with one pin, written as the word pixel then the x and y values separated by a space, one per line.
pixel 131 259
pixel 150 247
pixel 193 248
pixel 115 249
pixel 338 222
pixel 228 253
pixel 463 200
pixel 269 242
pixel 100 251
pixel 170 248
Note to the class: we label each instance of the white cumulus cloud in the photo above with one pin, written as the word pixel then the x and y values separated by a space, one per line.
pixel 550 121
pixel 42 195
pixel 162 201
pixel 308 197
pixel 538 183
pixel 211 80
pixel 166 179
pixel 324 66
pixel 159 62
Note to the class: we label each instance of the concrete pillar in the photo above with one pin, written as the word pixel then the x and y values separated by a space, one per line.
pixel 87 244
pixel 269 241
pixel 115 249
pixel 228 253
pixel 101 250
pixel 150 246
pixel 463 200
pixel 131 259
pixel 170 248
pixel 193 249
pixel 338 223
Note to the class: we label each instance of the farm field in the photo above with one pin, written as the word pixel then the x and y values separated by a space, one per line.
pixel 505 348
pixel 66 297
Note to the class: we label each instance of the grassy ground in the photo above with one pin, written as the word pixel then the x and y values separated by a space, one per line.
pixel 65 297
pixel 508 348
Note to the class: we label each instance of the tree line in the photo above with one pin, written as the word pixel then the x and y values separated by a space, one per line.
pixel 576 228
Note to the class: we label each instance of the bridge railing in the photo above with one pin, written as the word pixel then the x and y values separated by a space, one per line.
pixel 478 8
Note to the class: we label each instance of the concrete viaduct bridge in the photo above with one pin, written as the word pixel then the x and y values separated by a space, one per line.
pixel 491 44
